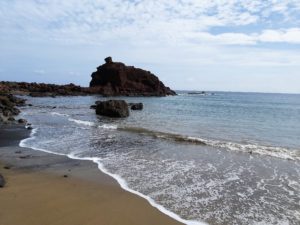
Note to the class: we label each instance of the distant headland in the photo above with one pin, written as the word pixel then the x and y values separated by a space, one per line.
pixel 110 79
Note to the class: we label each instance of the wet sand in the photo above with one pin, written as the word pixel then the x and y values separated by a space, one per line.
pixel 47 189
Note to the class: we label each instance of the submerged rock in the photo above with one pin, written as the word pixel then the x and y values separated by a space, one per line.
pixel 197 93
pixel 136 106
pixel 112 108
pixel 25 156
pixel 22 121
pixel 115 79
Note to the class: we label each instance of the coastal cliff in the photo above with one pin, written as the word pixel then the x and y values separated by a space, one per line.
pixel 116 79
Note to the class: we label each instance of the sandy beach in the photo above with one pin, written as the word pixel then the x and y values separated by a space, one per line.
pixel 48 189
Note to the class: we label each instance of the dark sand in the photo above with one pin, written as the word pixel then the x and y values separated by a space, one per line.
pixel 46 189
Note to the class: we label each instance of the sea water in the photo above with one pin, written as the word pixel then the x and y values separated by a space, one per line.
pixel 216 158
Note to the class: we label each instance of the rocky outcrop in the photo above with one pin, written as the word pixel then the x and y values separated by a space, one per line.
pixel 112 108
pixel 136 106
pixel 43 90
pixel 8 109
pixel 8 105
pixel 115 78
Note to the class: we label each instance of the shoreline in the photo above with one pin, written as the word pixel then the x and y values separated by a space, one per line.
pixel 60 176
pixel 120 182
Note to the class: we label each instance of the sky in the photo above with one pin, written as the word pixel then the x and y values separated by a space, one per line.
pixel 217 45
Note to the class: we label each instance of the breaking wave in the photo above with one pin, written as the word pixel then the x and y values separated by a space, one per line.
pixel 279 152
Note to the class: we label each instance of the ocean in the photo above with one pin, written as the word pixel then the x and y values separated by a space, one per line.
pixel 215 158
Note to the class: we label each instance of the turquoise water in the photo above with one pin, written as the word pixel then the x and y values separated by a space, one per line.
pixel 222 158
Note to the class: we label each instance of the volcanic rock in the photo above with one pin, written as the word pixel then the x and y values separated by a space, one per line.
pixel 136 106
pixel 42 89
pixel 115 79
pixel 112 108
pixel 8 108
pixel 22 121
pixel 41 94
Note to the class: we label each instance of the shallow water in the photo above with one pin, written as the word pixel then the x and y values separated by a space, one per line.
pixel 227 158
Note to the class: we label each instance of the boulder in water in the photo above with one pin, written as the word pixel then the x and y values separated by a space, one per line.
pixel 112 108
pixel 22 121
pixel 136 106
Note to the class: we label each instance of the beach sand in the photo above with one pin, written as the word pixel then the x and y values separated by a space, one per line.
pixel 46 189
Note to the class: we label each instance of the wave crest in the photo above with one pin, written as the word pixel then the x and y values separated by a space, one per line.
pixel 279 152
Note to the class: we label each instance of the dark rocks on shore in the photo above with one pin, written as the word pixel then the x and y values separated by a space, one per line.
pixel 42 94
pixel 10 119
pixel 93 106
pixel 8 104
pixel 2 181
pixel 112 108
pixel 136 106
pixel 116 79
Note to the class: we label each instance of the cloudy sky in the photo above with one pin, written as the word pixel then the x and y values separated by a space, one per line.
pixel 245 45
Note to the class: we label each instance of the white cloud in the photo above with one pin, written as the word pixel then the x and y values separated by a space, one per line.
pixel 288 36
pixel 165 21
pixel 291 36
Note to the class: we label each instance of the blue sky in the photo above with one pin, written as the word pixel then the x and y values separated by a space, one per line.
pixel 225 45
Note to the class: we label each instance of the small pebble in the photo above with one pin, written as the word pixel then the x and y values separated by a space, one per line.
pixel 24 156
pixel 2 181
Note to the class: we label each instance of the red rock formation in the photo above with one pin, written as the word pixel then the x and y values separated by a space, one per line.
pixel 115 78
